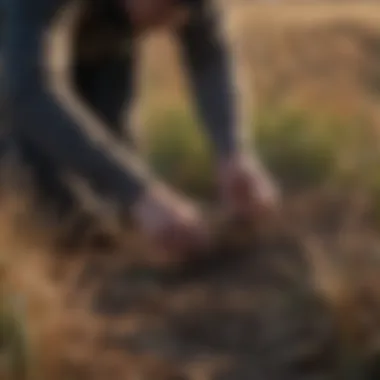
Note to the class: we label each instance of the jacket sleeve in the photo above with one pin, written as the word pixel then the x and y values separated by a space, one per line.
pixel 207 61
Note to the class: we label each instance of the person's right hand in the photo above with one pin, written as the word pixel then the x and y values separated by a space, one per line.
pixel 172 223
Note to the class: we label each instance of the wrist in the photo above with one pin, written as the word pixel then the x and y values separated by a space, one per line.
pixel 233 148
pixel 233 155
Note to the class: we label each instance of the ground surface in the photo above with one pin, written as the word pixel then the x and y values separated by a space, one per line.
pixel 301 305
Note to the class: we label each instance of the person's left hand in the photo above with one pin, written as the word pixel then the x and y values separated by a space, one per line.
pixel 247 192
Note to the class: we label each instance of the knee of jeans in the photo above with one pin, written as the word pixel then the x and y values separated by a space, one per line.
pixel 20 85
pixel 46 175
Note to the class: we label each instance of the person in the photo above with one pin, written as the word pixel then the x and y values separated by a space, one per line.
pixel 69 68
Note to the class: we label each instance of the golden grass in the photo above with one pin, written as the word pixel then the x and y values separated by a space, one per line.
pixel 317 56
pixel 302 12
pixel 321 57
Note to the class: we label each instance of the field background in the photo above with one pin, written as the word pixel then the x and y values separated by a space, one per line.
pixel 302 306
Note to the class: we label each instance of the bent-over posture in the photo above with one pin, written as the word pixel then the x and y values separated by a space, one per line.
pixel 69 73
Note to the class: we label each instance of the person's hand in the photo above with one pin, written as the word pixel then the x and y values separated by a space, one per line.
pixel 171 223
pixel 247 192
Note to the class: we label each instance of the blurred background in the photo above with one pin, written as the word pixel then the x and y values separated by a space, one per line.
pixel 303 305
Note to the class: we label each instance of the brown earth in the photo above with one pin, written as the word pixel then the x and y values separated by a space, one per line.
pixel 299 303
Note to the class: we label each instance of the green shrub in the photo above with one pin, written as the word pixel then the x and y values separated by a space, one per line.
pixel 296 148
pixel 301 149
pixel 13 341
pixel 180 153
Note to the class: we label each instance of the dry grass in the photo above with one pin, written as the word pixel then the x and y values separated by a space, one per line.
pixel 317 55
pixel 301 306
